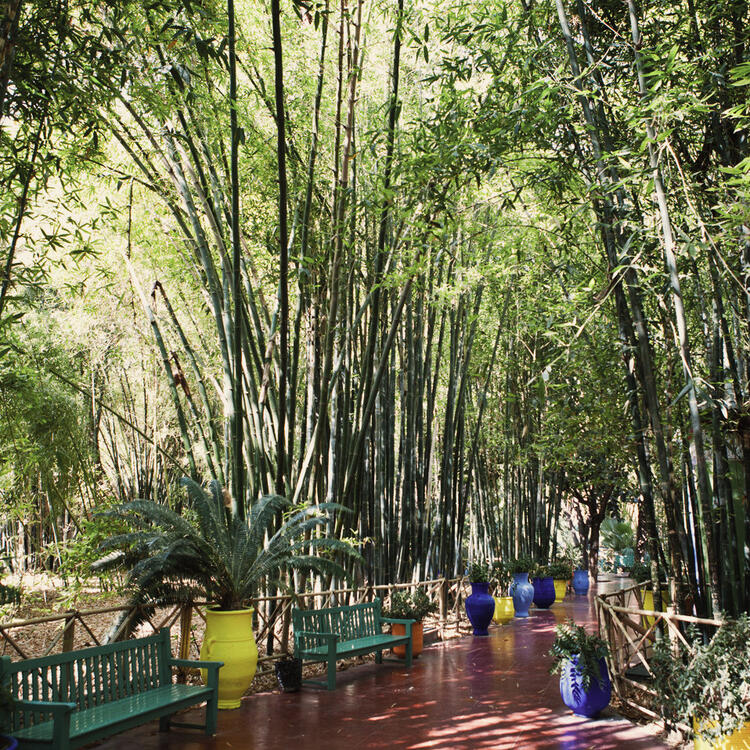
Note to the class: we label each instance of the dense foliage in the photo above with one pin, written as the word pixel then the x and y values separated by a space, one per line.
pixel 477 272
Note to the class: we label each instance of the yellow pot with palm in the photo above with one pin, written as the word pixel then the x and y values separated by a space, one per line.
pixel 229 638
pixel 503 609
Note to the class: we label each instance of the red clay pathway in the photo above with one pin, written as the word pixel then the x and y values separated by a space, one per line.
pixel 492 692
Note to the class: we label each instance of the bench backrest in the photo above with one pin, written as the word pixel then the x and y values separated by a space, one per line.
pixel 91 676
pixel 349 623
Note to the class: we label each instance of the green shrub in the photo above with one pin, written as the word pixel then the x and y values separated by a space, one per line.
pixel 411 607
pixel 711 684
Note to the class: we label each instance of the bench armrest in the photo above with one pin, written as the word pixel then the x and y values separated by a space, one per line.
pixel 212 667
pixel 61 714
pixel 329 639
pixel 397 621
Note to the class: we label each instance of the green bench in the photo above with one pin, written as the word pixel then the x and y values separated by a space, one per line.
pixel 326 635
pixel 67 700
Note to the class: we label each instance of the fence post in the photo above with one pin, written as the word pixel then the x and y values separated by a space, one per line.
pixel 186 620
pixel 69 631
pixel 287 622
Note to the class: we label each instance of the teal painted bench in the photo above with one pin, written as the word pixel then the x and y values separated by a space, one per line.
pixel 66 700
pixel 326 635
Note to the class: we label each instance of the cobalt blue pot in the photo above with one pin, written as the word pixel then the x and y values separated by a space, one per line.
pixel 10 743
pixel 581 581
pixel 480 607
pixel 544 592
pixel 587 702
pixel 523 594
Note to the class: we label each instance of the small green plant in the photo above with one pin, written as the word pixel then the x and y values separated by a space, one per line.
pixel 539 570
pixel 412 607
pixel 561 569
pixel 710 684
pixel 520 565
pixel 479 572
pixel 572 640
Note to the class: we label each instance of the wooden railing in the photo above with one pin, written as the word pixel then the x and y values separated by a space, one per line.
pixel 631 632
pixel 65 631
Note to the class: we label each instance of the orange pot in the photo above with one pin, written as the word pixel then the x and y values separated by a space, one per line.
pixel 417 639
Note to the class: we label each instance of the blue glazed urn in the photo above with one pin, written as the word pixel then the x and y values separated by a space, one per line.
pixel 581 581
pixel 523 594
pixel 544 592
pixel 480 607
pixel 592 700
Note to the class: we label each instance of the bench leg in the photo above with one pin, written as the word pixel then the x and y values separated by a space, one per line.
pixel 164 723
pixel 408 653
pixel 212 710
pixel 331 674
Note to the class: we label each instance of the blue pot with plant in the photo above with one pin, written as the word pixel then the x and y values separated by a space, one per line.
pixel 521 590
pixel 480 606
pixel 544 589
pixel 580 658
pixel 581 581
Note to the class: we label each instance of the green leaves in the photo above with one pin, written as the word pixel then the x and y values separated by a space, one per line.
pixel 208 552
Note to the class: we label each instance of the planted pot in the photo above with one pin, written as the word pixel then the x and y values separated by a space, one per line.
pixel 544 592
pixel 289 674
pixel 581 581
pixel 561 587
pixel 229 638
pixel 648 603
pixel 8 743
pixel 480 607
pixel 503 610
pixel 740 738
pixel 523 594
pixel 585 702
pixel 417 639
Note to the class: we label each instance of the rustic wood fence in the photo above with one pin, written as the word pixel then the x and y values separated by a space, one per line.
pixel 65 631
pixel 631 632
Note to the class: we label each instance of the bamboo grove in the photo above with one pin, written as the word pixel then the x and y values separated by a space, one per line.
pixel 478 271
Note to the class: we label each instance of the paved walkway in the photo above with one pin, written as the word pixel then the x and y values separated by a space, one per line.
pixel 492 692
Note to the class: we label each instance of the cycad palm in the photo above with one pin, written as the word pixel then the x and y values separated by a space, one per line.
pixel 216 554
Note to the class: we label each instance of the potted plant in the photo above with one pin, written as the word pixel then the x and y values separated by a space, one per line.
pixel 501 579
pixel 288 671
pixel 708 687
pixel 211 553
pixel 579 657
pixel 480 606
pixel 561 570
pixel 521 590
pixel 405 606
pixel 580 581
pixel 544 586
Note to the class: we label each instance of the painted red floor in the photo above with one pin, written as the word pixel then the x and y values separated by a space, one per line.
pixel 491 692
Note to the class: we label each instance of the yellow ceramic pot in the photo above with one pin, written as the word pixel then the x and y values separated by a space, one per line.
pixel 739 740
pixel 648 603
pixel 229 638
pixel 503 609
pixel 561 586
